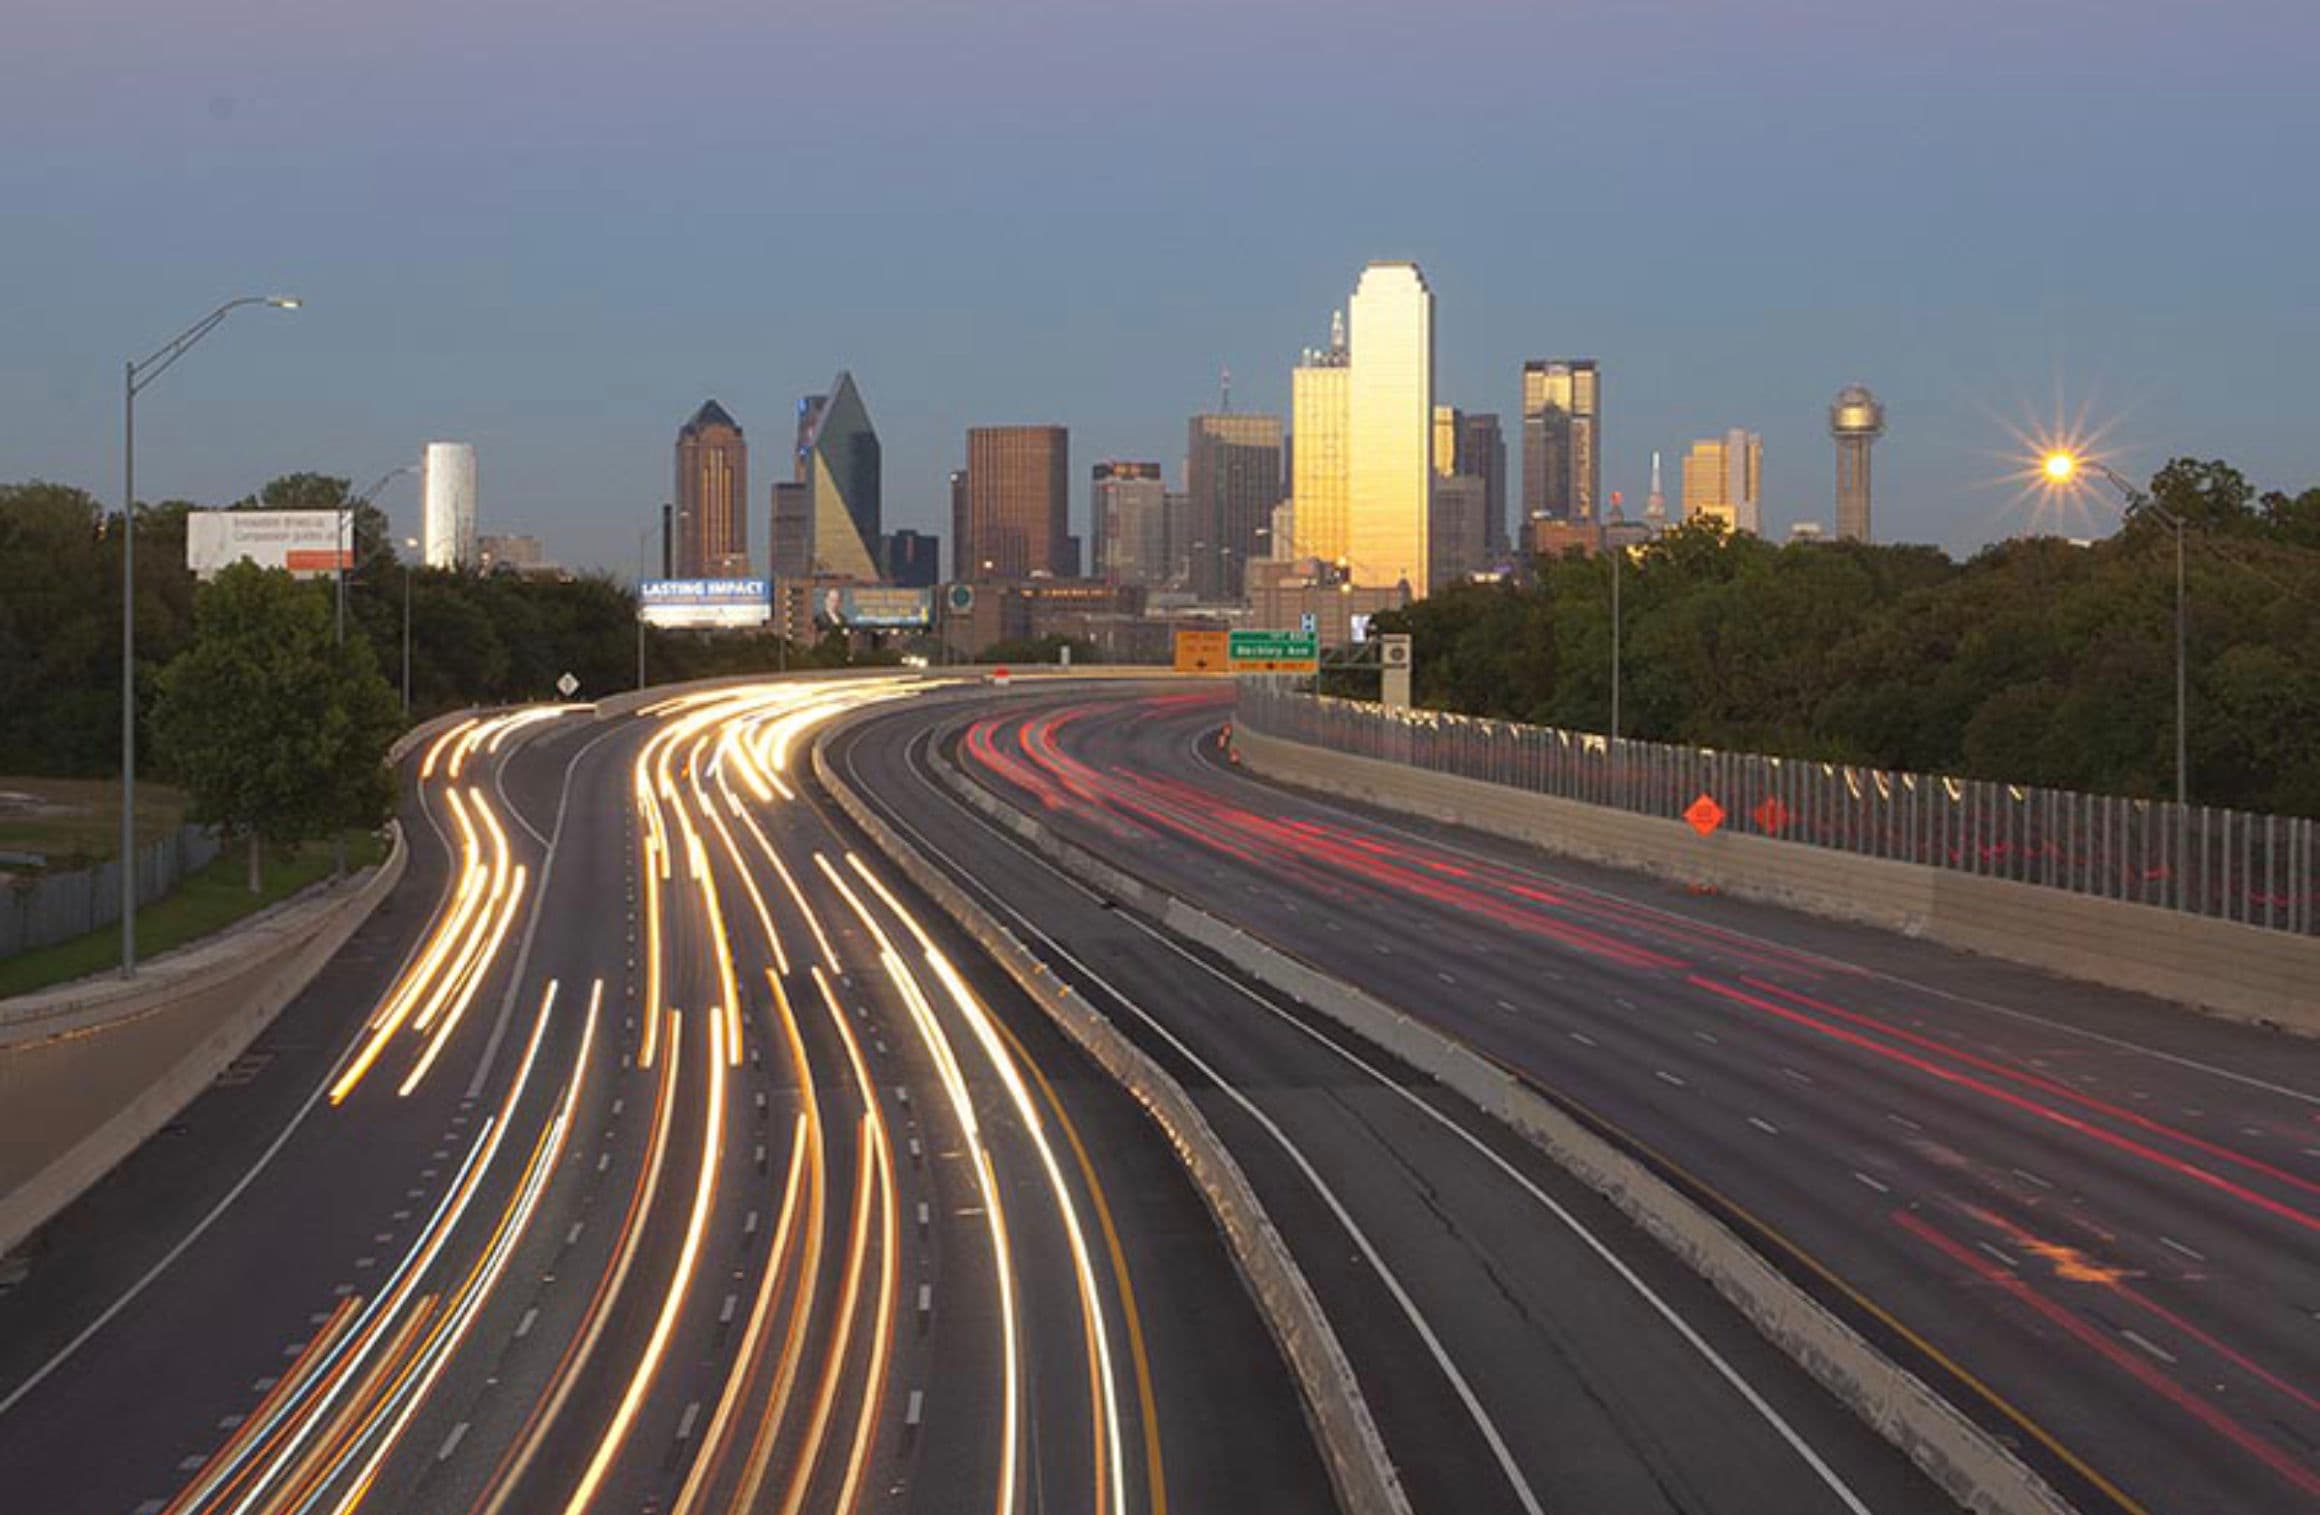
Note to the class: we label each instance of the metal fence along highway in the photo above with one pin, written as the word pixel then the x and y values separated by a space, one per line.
pixel 2259 870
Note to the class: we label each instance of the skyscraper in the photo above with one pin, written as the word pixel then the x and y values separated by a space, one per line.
pixel 1176 510
pixel 790 553
pixel 913 559
pixel 1128 523
pixel 1390 409
pixel 1319 420
pixel 712 496
pixel 1233 473
pixel 1723 478
pixel 447 505
pixel 1856 420
pixel 1018 503
pixel 838 462
pixel 1655 505
pixel 1482 455
pixel 1458 536
pixel 1562 442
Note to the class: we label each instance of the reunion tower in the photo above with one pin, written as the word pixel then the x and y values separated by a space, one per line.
pixel 1856 420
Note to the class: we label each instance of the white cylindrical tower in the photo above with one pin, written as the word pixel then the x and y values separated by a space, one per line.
pixel 447 492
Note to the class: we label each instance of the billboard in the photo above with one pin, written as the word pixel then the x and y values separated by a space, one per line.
pixel 302 541
pixel 704 603
pixel 872 608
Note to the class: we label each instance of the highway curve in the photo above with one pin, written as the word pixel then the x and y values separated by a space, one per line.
pixel 654 1149
pixel 2092 1221
pixel 1523 1347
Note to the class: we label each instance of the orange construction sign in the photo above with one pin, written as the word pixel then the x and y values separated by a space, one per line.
pixel 1705 814
pixel 1202 651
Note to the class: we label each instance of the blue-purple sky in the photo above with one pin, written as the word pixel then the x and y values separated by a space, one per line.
pixel 553 229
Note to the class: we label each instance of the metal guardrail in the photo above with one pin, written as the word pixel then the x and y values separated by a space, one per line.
pixel 2235 865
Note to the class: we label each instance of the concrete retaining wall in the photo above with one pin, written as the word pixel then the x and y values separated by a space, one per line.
pixel 90 1070
pixel 2242 972
pixel 1956 1453
pixel 1359 1468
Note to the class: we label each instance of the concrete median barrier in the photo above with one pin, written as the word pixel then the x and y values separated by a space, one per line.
pixel 89 1071
pixel 1359 1467
pixel 1965 1460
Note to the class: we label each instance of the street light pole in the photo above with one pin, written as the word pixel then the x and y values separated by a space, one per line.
pixel 1617 552
pixel 2059 467
pixel 410 544
pixel 135 376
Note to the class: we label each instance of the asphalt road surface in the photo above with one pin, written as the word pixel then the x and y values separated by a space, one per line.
pixel 1523 1347
pixel 2092 1221
pixel 652 1150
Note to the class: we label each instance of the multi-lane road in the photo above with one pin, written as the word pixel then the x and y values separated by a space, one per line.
pixel 654 1150
pixel 2093 1223
pixel 657 1148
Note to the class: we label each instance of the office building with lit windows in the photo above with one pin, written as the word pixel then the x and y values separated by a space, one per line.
pixel 1128 523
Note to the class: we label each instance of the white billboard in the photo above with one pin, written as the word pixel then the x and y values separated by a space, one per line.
pixel 704 603
pixel 306 542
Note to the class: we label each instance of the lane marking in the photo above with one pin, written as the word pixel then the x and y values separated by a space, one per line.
pixel 2148 1345
pixel 1872 1183
pixel 1765 1126
pixel 1676 1321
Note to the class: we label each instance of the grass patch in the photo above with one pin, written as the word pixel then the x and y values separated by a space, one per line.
pixel 78 821
pixel 206 901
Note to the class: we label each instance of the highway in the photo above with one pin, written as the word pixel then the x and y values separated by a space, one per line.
pixel 653 1149
pixel 1523 1347
pixel 2088 1220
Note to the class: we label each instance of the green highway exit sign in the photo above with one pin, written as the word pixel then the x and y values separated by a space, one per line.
pixel 1273 652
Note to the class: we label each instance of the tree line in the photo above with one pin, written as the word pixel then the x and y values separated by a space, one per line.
pixel 244 693
pixel 2036 661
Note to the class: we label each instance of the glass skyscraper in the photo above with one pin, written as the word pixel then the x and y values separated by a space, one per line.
pixel 838 462
pixel 1390 411
pixel 1233 473
pixel 1562 442
pixel 1318 422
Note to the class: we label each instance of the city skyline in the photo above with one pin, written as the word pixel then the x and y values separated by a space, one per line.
pixel 560 334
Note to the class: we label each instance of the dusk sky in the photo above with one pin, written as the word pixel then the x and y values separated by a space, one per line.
pixel 553 229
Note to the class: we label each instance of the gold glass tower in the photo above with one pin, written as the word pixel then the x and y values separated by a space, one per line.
pixel 1390 410
pixel 1318 421
pixel 1723 478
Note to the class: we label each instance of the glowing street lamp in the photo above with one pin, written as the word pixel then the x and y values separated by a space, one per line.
pixel 2061 468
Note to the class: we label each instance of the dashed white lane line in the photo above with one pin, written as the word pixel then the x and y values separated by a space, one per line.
pixel 1903 1121
pixel 2148 1345
pixel 1874 1184
pixel 1445 977
pixel 573 1235
pixel 531 1318
pixel 685 1422
pixel 2029 1177
pixel 1763 1125
pixel 916 1409
pixel 1710 1040
pixel 451 1442
pixel 2002 1257
pixel 1801 1078
pixel 1582 1038
pixel 1666 1077
pixel 2174 1245
pixel 1507 1006
pixel 725 1311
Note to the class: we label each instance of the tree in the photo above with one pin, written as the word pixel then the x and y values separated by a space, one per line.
pixel 278 733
